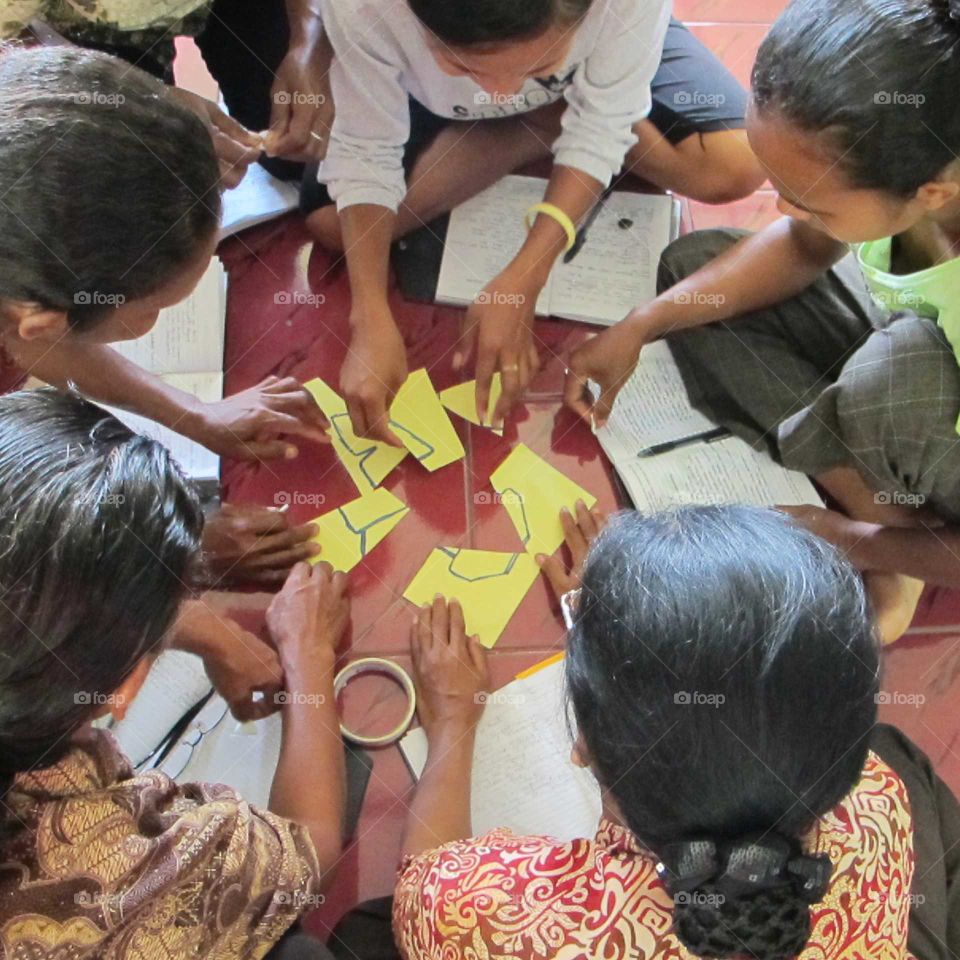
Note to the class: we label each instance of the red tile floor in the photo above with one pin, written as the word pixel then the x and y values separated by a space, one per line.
pixel 922 671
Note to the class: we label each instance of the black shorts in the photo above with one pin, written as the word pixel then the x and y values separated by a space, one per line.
pixel 692 92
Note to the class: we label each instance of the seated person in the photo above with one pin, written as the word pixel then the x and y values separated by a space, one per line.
pixel 830 339
pixel 100 532
pixel 270 59
pixel 110 210
pixel 440 100
pixel 725 700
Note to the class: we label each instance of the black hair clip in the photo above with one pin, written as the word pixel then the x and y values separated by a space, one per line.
pixel 812 876
pixel 755 863
pixel 687 865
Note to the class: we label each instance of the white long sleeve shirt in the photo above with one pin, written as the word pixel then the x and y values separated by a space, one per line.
pixel 382 57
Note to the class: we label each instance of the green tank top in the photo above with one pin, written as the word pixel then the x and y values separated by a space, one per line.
pixel 932 293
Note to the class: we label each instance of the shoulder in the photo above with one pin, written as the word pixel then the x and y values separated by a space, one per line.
pixel 370 24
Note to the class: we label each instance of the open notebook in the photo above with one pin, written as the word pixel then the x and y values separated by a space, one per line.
pixel 185 349
pixel 523 777
pixel 653 408
pixel 615 270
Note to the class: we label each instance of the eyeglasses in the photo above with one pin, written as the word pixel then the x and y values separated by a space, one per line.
pixel 569 603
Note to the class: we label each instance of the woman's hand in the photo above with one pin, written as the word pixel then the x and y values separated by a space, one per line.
pixel 375 369
pixel 607 359
pixel 250 544
pixel 307 619
pixel 302 112
pixel 449 668
pixel 238 663
pixel 249 424
pixel 500 323
pixel 235 146
pixel 579 532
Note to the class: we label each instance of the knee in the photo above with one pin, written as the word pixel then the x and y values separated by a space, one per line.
pixel 691 252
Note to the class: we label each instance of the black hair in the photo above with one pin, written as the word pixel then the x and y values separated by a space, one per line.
pixel 484 22
pixel 108 187
pixel 875 78
pixel 723 673
pixel 99 534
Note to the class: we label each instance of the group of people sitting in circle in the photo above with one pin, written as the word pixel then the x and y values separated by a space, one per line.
pixel 788 823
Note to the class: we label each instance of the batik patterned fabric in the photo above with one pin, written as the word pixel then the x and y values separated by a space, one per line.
pixel 504 897
pixel 98 862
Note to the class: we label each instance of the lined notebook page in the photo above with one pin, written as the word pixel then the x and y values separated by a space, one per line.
pixel 259 197
pixel 176 682
pixel 616 270
pixel 652 407
pixel 523 777
pixel 728 471
pixel 484 235
pixel 189 336
pixel 197 461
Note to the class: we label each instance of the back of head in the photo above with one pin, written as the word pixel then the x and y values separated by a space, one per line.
pixel 98 534
pixel 490 22
pixel 107 186
pixel 876 78
pixel 723 671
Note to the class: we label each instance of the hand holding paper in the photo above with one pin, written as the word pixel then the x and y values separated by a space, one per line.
pixel 533 493
pixel 462 400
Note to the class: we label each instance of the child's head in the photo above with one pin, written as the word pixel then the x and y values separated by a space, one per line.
pixel 854 113
pixel 109 196
pixel 99 532
pixel 500 44
pixel 723 676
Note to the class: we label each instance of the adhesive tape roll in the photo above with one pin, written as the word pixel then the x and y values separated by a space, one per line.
pixel 391 669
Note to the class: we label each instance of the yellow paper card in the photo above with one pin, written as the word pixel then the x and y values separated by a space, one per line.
pixel 417 417
pixel 348 534
pixel 488 585
pixel 533 492
pixel 367 461
pixel 462 400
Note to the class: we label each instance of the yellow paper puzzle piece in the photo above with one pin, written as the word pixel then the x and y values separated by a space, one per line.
pixel 367 461
pixel 488 585
pixel 417 417
pixel 462 400
pixel 533 492
pixel 349 533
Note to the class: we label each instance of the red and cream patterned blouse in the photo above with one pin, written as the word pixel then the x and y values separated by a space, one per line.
pixel 503 897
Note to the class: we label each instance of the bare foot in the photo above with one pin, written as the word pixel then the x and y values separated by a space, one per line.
pixel 324 224
pixel 894 598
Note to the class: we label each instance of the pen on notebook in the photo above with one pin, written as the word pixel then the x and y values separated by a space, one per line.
pixel 587 224
pixel 719 433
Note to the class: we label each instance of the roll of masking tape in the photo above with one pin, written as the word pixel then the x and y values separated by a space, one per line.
pixel 391 669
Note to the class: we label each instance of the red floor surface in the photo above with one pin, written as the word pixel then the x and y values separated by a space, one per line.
pixel 922 672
